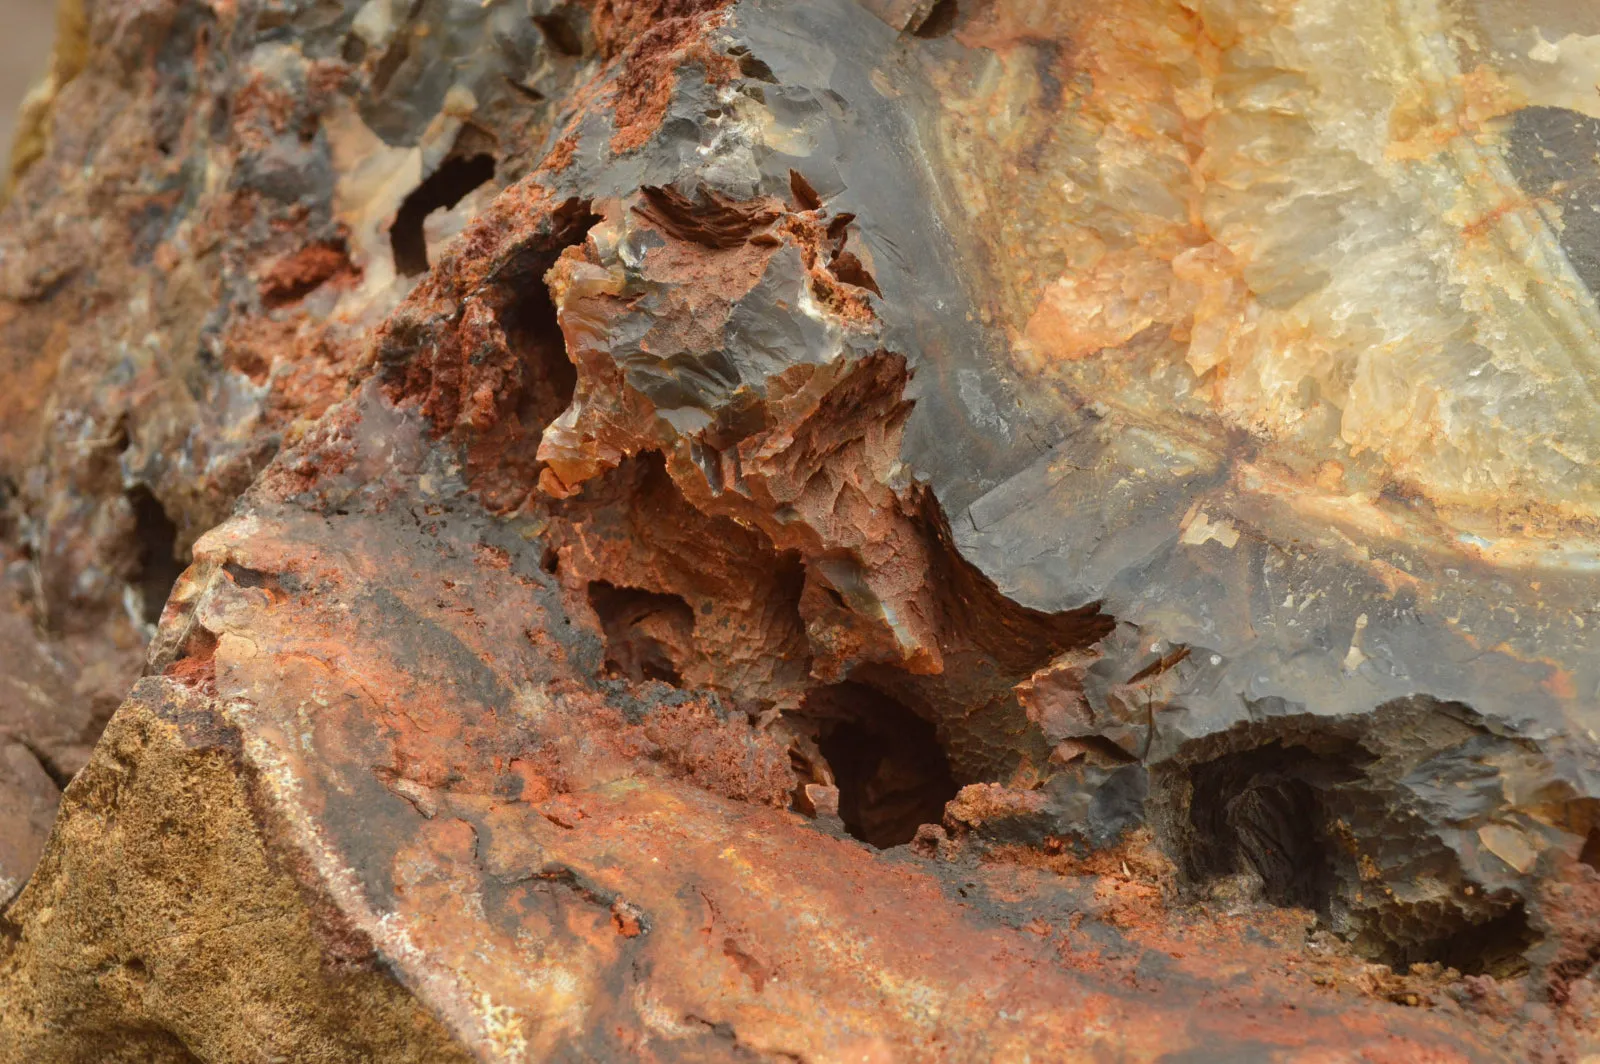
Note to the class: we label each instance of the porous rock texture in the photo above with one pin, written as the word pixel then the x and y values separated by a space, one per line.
pixel 892 531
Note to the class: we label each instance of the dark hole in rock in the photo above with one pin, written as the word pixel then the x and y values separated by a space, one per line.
pixel 563 29
pixel 8 493
pixel 1285 821
pixel 442 189
pixel 528 92
pixel 59 773
pixel 157 537
pixel 533 331
pixel 503 462
pixel 1257 812
pixel 802 192
pixel 940 21
pixel 891 772
pixel 1590 854
pixel 1496 946
pixel 756 70
pixel 647 634
pixel 849 269
pixel 243 577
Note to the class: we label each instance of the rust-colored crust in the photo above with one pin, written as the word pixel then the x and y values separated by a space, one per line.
pixel 572 666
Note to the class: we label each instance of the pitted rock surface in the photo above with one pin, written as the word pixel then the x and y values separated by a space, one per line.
pixel 696 530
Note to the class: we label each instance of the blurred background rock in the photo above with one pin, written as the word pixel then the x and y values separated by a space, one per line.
pixel 26 27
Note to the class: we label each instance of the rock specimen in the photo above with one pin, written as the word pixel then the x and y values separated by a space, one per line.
pixel 803 531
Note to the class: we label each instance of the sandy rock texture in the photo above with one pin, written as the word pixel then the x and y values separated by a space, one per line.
pixel 698 530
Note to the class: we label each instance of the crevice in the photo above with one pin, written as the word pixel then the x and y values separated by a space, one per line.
pixel 527 92
pixel 9 518
pixel 517 387
pixel 564 30
pixel 647 635
pixel 1310 813
pixel 804 195
pixel 1590 854
pixel 740 1052
pixel 940 21
pixel 1496 946
pixel 441 190
pixel 751 67
pixel 533 332
pixel 390 62
pixel 158 566
pixel 47 764
pixel 756 70
pixel 885 760
pixel 849 269
pixel 735 624
pixel 989 644
pixel 1258 812
pixel 558 879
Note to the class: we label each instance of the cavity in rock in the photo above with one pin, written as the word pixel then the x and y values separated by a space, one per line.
pixel 442 189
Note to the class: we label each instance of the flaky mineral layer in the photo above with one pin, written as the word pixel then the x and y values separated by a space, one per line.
pixel 803 531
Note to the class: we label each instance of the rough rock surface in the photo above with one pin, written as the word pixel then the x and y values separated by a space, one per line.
pixel 802 531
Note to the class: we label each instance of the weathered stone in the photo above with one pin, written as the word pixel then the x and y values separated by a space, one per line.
pixel 28 800
pixel 162 926
pixel 735 531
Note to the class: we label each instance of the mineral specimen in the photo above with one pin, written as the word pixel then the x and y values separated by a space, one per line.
pixel 687 530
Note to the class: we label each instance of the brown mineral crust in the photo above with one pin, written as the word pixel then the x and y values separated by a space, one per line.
pixel 299 273
pixel 493 366
pixel 632 532
pixel 714 221
pixel 1570 902
pixel 561 154
pixel 727 757
pixel 303 366
pixel 619 23
pixel 838 279
pixel 808 463
pixel 187 278
pixel 501 248
pixel 648 41
pixel 692 902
